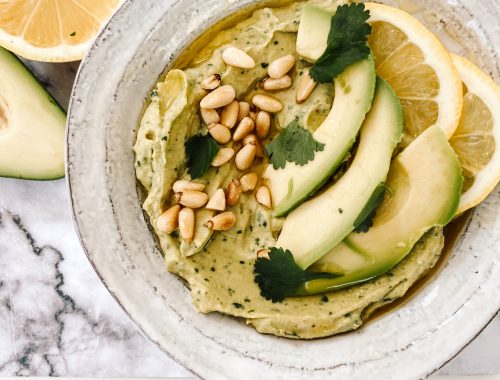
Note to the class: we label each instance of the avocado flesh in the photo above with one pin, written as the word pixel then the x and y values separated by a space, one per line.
pixel 316 226
pixel 354 90
pixel 314 27
pixel 425 183
pixel 32 125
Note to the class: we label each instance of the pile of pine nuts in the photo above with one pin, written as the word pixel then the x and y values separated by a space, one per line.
pixel 230 120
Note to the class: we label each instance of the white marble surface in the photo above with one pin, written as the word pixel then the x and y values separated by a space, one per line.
pixel 57 319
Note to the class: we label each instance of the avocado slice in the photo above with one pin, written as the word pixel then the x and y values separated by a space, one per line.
pixel 321 223
pixel 354 89
pixel 314 27
pixel 32 125
pixel 425 183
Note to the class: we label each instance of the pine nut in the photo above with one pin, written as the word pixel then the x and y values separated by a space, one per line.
pixel 266 103
pixel 176 198
pixel 233 192
pixel 211 83
pixel 218 201
pixel 186 224
pixel 220 133
pixel 229 114
pixel 262 124
pixel 252 139
pixel 253 112
pixel 244 158
pixel 181 185
pixel 263 196
pixel 271 84
pixel 243 110
pixel 237 58
pixel 209 115
pixel 169 220
pixel 305 87
pixel 193 199
pixel 249 181
pixel 222 222
pixel 244 128
pixel 263 253
pixel 219 97
pixel 281 66
pixel 222 156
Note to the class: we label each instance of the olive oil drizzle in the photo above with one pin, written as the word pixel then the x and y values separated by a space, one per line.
pixel 453 233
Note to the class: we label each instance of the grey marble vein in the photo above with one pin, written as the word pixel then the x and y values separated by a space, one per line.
pixel 57 319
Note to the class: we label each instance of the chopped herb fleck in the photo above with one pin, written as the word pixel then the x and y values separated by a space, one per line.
pixel 238 305
pixel 365 219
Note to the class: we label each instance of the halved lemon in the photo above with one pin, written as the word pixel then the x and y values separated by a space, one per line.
pixel 52 30
pixel 418 67
pixel 477 138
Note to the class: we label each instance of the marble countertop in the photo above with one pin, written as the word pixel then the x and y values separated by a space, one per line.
pixel 56 317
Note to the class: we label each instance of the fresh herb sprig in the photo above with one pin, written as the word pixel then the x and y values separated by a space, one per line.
pixel 200 151
pixel 279 276
pixel 294 144
pixel 364 221
pixel 347 42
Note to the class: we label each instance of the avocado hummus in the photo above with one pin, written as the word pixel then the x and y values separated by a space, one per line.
pixel 218 266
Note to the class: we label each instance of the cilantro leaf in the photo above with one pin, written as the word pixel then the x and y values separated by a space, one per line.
pixel 294 144
pixel 364 221
pixel 200 151
pixel 347 42
pixel 279 276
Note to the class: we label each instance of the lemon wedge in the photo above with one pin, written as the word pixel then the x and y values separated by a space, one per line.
pixel 52 30
pixel 418 68
pixel 477 138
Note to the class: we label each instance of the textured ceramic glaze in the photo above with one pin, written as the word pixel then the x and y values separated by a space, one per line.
pixel 123 65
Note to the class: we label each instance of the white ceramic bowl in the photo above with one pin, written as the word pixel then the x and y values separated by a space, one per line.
pixel 114 78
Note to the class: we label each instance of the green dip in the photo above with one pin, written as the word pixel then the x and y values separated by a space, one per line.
pixel 218 267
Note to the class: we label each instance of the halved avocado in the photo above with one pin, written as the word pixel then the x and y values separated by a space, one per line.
pixel 32 125
pixel 425 183
pixel 316 226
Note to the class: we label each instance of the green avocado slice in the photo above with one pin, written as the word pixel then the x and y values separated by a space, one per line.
pixel 425 183
pixel 318 225
pixel 32 125
pixel 354 90
pixel 312 37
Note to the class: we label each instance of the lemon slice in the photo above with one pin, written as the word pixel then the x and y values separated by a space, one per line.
pixel 418 68
pixel 477 138
pixel 52 30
